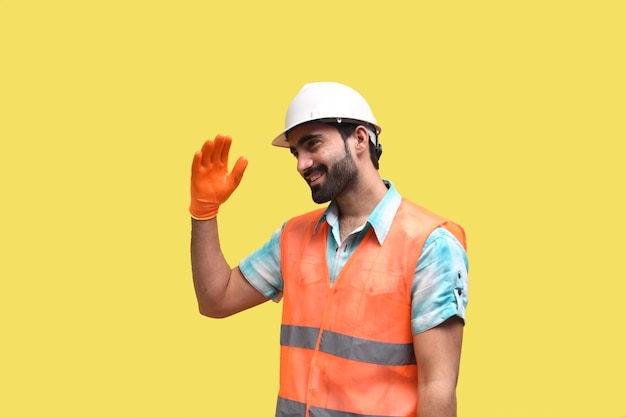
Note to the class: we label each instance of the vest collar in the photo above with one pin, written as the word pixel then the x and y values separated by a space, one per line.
pixel 380 218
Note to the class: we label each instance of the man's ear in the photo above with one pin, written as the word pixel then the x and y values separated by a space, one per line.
pixel 362 138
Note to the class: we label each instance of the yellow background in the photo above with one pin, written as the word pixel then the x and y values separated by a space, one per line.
pixel 507 117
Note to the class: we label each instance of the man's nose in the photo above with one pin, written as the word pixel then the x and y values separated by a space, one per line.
pixel 304 163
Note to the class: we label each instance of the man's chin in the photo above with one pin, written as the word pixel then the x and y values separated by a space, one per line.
pixel 317 196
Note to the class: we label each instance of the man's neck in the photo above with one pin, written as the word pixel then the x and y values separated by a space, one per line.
pixel 357 204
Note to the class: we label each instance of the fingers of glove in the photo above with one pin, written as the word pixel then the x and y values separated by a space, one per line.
pixel 239 169
pixel 206 152
pixel 197 162
pixel 218 149
pixel 225 150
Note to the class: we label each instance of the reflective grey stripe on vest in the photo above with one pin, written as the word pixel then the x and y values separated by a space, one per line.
pixel 323 412
pixel 348 347
pixel 290 408
pixel 299 336
pixel 363 350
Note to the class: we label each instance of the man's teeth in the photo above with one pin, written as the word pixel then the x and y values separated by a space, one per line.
pixel 314 177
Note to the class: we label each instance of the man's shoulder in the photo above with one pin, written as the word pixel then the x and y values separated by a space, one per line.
pixel 415 209
pixel 436 225
pixel 310 218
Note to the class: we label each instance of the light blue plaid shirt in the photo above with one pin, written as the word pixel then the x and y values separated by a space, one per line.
pixel 439 285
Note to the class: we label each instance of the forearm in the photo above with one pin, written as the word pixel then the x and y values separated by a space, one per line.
pixel 210 270
pixel 437 400
pixel 438 351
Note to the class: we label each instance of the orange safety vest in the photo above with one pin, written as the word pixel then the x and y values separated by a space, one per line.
pixel 347 350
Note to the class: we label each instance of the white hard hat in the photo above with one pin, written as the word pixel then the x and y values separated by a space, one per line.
pixel 327 102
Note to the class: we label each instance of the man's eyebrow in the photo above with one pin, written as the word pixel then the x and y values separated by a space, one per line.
pixel 306 138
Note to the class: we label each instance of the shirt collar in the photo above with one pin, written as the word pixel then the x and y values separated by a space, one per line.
pixel 380 218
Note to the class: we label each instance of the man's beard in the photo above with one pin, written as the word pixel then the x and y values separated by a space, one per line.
pixel 337 179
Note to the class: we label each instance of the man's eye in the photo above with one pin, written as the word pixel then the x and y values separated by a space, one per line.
pixel 312 143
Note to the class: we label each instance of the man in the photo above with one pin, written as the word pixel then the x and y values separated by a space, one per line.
pixel 374 287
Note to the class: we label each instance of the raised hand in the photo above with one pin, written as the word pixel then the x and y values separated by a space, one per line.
pixel 211 183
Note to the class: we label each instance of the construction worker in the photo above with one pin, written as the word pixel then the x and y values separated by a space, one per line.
pixel 374 287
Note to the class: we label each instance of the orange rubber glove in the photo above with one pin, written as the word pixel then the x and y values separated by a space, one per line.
pixel 211 183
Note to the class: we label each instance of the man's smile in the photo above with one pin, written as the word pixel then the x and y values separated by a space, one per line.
pixel 313 176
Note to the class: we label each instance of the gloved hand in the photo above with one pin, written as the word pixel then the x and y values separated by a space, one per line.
pixel 211 183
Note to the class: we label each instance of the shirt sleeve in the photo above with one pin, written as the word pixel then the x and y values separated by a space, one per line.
pixel 440 285
pixel 262 268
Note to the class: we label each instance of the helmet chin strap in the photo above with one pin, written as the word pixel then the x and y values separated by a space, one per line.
pixel 379 150
pixel 374 139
